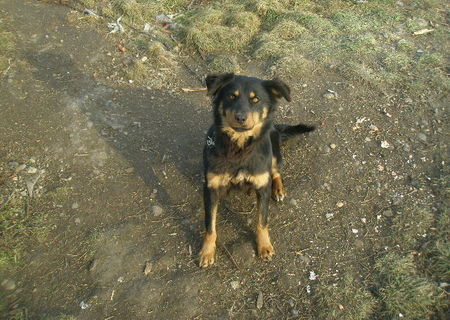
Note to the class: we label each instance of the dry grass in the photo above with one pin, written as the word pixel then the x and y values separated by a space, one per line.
pixel 215 31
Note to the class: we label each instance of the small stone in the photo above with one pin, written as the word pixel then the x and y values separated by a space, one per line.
pixel 259 300
pixel 326 149
pixel 408 100
pixel 92 265
pixel 148 268
pixel 75 205
pixel 332 146
pixel 9 284
pixel 385 145
pixel 330 94
pixel 84 305
pixel 235 284
pixel 21 167
pixel 120 279
pixel 305 259
pixel 355 231
pixel 129 170
pixel 388 213
pixel 340 204
pixel 422 137
pixel 293 202
pixel 294 312
pixel 77 220
pixel 312 275
pixel 406 148
pixel 31 170
pixel 329 215
pixel 14 164
pixel 157 210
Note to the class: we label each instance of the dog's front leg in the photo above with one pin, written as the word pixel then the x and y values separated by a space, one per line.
pixel 264 246
pixel 211 198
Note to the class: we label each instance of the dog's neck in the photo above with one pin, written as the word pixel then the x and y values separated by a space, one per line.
pixel 232 143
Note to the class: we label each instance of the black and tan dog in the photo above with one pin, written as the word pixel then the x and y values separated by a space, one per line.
pixel 243 149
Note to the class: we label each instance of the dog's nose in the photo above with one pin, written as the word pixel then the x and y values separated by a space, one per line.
pixel 240 117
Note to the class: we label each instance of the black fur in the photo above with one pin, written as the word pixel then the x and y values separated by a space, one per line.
pixel 236 149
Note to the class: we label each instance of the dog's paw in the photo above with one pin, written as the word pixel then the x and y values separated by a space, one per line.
pixel 207 255
pixel 266 251
pixel 278 191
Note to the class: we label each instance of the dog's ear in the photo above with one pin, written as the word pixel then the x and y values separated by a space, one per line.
pixel 277 88
pixel 215 82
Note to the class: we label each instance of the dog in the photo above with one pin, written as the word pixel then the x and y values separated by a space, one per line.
pixel 243 149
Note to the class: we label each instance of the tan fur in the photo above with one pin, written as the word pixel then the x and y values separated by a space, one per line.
pixel 265 248
pixel 253 122
pixel 216 181
pixel 207 254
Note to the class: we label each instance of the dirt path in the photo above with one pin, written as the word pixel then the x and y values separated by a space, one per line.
pixel 120 186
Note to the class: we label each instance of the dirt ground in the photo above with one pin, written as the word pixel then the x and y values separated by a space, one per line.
pixel 116 179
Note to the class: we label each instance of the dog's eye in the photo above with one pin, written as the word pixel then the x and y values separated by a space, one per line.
pixel 232 96
pixel 254 100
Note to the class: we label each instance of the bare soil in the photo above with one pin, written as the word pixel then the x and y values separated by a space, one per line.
pixel 120 184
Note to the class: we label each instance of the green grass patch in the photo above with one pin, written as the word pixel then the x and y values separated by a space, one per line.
pixel 403 291
pixel 345 300
pixel 7 47
pixel 410 226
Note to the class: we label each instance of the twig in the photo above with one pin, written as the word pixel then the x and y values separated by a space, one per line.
pixel 228 254
pixel 193 89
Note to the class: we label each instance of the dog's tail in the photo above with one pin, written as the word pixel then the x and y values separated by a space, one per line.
pixel 287 131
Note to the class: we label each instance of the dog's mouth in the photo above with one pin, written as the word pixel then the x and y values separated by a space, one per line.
pixel 241 129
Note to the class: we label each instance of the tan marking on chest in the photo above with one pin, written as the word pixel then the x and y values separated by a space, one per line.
pixel 216 181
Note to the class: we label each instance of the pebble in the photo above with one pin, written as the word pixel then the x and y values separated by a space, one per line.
pixel 293 202
pixel 9 284
pixel 31 170
pixel 330 94
pixel 422 137
pixel 406 148
pixel 259 300
pixel 332 146
pixel 21 167
pixel 75 205
pixel 384 144
pixel 92 265
pixel 388 213
pixel 294 312
pixel 305 259
pixel 340 204
pixel 312 275
pixel 77 220
pixel 408 100
pixel 326 149
pixel 157 210
pixel 13 164
pixel 235 284
pixel 129 170
pixel 148 268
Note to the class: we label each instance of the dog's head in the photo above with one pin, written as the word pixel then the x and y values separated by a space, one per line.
pixel 243 104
